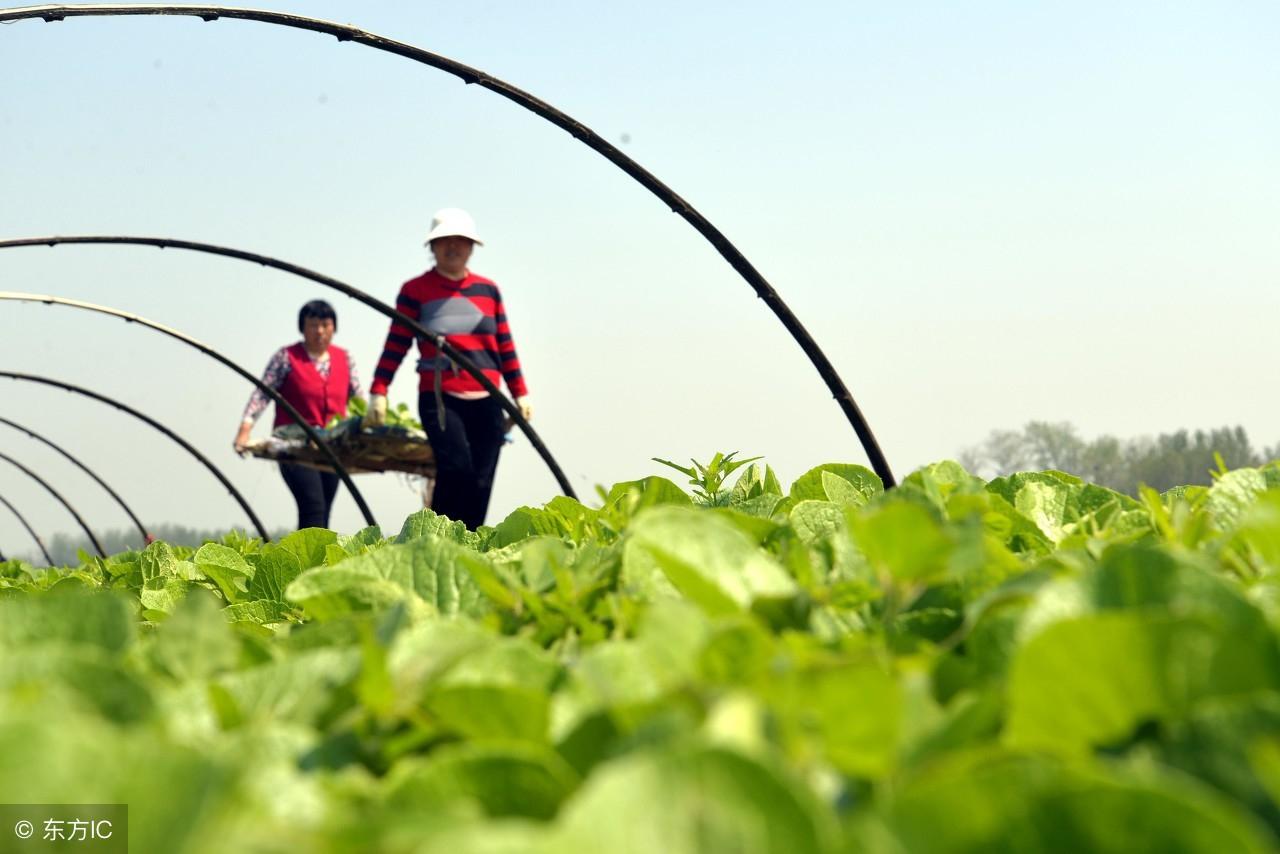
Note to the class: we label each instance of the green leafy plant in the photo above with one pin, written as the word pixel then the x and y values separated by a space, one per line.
pixel 1032 663
pixel 709 478
pixel 398 416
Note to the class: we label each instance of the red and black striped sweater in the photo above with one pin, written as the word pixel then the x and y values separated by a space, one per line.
pixel 469 313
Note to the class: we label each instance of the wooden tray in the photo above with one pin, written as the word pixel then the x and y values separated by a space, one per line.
pixel 361 451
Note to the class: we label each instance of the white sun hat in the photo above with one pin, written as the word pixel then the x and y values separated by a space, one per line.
pixel 452 222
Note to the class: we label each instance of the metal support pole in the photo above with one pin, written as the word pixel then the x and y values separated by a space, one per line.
pixel 579 131
pixel 64 502
pixel 214 354
pixel 214 470
pixel 146 537
pixel 355 293
pixel 21 519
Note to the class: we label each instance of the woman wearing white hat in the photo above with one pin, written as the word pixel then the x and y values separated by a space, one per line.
pixel 463 422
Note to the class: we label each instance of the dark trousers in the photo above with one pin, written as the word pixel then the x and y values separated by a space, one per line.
pixel 313 490
pixel 466 454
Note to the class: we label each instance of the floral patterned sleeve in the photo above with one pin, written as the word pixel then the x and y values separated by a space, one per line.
pixel 272 377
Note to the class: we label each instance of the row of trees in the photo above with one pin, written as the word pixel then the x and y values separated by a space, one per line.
pixel 1167 460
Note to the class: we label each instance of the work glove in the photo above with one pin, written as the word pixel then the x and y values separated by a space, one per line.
pixel 376 415
pixel 526 412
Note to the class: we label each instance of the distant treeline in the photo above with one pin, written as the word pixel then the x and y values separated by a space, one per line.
pixel 1167 460
pixel 63 548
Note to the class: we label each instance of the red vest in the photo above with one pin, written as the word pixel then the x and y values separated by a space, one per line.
pixel 312 395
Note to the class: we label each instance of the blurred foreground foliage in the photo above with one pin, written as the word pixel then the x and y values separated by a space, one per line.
pixel 1034 663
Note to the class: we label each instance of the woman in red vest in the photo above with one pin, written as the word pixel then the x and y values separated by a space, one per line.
pixel 318 379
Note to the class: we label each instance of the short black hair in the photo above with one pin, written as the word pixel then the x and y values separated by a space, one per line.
pixel 318 309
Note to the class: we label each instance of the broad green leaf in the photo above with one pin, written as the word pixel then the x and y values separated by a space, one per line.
pixel 758 527
pixel 505 661
pixel 298 689
pixel 810 485
pixel 650 492
pixel 308 545
pixel 1088 682
pixel 708 559
pixel 363 539
pixel 673 635
pixel 902 540
pixel 259 612
pixel 762 506
pixel 613 678
pixel 157 560
pixel 435 571
pixel 1244 655
pixel 1060 504
pixel 1145 576
pixel 523 523
pixel 969 720
pixel 161 595
pixel 481 712
pixel 195 642
pixel 422 653
pixel 328 593
pixel 756 481
pixel 575 516
pixel 691 801
pixel 1258 528
pixel 1264 759
pixel 1047 504
pixel 621 685
pixel 274 569
pixel 1014 529
pixel 89 618
pixel 814 520
pixel 427 523
pixel 504 779
pixel 849 713
pixel 1091 681
pixel 63 676
pixel 437 826
pixel 841 491
pixel 1232 494
pixel 939 481
pixel 1219 743
pixel 532 562
pixel 642 578
pixel 498 690
pixel 989 802
pixel 175 792
pixel 736 653
pixel 228 569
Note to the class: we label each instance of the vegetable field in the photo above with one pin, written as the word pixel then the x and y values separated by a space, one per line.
pixel 1028 664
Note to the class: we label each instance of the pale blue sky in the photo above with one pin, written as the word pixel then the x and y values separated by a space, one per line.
pixel 986 213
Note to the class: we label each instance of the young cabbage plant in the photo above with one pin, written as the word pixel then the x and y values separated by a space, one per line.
pixel 708 479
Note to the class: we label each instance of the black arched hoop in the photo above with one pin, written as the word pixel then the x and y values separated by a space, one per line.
pixel 22 520
pixel 579 131
pixel 146 536
pixel 75 389
pixel 214 354
pixel 84 526
pixel 329 282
